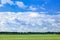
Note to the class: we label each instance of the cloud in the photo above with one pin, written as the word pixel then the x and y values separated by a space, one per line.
pixel 32 8
pixel 1 5
pixel 29 22
pixel 42 8
pixel 20 4
pixel 5 2
pixel 58 12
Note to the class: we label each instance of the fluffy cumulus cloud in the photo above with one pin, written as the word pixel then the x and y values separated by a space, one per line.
pixel 5 2
pixel 29 22
pixel 20 4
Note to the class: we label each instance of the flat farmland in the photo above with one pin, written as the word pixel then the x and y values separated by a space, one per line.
pixel 29 36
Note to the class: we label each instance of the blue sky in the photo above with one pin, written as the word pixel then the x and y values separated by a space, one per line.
pixel 30 15
pixel 52 6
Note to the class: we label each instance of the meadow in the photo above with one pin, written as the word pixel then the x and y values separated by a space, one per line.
pixel 29 36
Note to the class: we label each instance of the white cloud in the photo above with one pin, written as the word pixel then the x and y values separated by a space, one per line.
pixel 33 15
pixel 32 8
pixel 1 5
pixel 42 8
pixel 20 4
pixel 5 2
pixel 23 22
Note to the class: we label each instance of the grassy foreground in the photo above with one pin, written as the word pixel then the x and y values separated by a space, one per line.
pixel 29 37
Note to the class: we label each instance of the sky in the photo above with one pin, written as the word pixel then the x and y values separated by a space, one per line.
pixel 29 15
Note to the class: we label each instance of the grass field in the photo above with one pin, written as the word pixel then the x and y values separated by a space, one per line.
pixel 29 37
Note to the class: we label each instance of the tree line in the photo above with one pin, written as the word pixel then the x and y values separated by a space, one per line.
pixel 29 32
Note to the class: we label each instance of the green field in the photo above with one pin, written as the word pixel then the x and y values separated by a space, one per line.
pixel 29 37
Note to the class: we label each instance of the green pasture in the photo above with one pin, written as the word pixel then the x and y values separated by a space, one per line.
pixel 29 37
